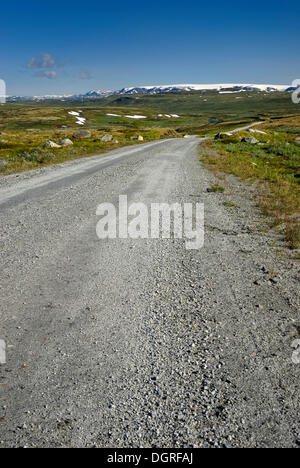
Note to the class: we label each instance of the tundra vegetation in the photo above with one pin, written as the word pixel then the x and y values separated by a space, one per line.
pixel 273 163
pixel 26 128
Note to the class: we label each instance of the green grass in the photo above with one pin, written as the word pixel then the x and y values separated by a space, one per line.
pixel 271 161
pixel 22 150
pixel 25 127
pixel 274 165
pixel 217 189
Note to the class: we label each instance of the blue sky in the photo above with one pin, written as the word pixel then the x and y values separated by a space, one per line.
pixel 67 46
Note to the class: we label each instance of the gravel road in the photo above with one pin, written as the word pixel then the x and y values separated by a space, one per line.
pixel 141 343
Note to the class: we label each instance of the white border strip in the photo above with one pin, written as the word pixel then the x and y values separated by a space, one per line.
pixel 2 92
pixel 2 352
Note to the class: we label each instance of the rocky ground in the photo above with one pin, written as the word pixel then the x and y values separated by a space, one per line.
pixel 142 343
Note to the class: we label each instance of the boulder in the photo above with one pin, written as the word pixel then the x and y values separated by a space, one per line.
pixel 106 138
pixel 65 142
pixel 138 138
pixel 83 134
pixel 223 135
pixel 251 140
pixel 51 144
pixel 3 163
pixel 297 141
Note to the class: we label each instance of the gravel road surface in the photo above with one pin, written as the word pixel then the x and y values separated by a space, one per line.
pixel 142 343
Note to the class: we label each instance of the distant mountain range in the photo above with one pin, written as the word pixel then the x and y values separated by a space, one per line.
pixel 221 88
pixel 201 87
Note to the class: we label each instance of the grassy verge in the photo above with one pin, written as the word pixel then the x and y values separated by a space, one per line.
pixel 273 163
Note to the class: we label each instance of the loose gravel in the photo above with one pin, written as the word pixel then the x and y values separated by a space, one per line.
pixel 141 343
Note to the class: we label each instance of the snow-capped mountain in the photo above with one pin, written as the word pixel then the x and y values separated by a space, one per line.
pixel 221 88
pixel 60 97
pixel 202 87
pixel 99 93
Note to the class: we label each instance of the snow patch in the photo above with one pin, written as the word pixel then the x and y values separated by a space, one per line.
pixel 137 117
pixel 80 120
pixel 230 92
pixel 169 116
pixel 251 130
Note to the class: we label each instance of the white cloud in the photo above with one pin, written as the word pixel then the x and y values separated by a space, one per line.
pixel 42 61
pixel 85 75
pixel 51 75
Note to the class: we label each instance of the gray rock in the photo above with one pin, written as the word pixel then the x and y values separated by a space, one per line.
pixel 219 136
pixel 251 140
pixel 297 141
pixel 3 163
pixel 106 138
pixel 82 134
pixel 65 142
pixel 51 144
pixel 138 138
